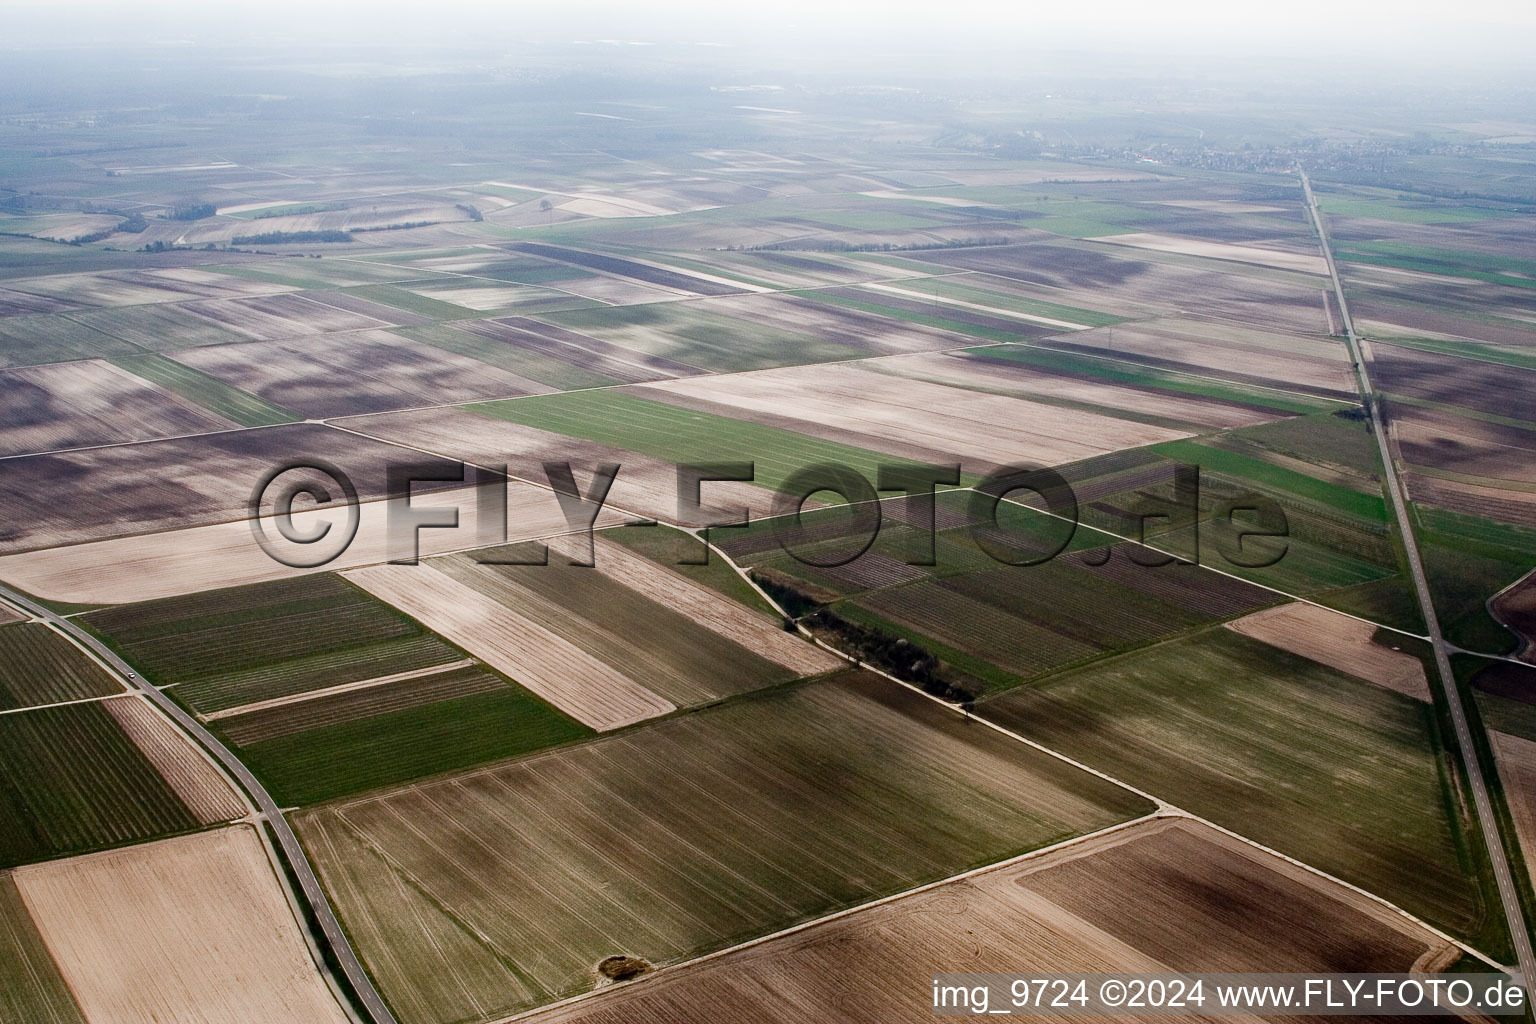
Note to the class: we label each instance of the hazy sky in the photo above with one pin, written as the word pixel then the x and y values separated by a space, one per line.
pixel 1459 34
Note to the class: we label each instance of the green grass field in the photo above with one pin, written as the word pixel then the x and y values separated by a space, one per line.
pixel 38 666
pixel 31 989
pixel 209 392
pixel 53 338
pixel 72 781
pixel 402 746
pixel 1468 559
pixel 682 836
pixel 1404 212
pixel 1272 746
pixel 679 435
pixel 1276 479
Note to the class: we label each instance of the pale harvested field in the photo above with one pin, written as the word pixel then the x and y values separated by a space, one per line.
pixel 31 991
pixel 194 778
pixel 275 317
pixel 978 430
pixel 193 930
pixel 544 662
pixel 682 836
pixel 174 562
pixel 133 287
pixel 1516 757
pixel 1305 263
pixel 1338 641
pixel 757 633
pixel 475 295
pixel 1229 350
pixel 974 370
pixel 645 486
pixel 355 372
pixel 71 405
pixel 1219 906
pixel 616 290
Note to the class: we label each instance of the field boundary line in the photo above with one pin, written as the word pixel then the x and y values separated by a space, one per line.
pixel 327 691
pixel 66 703
pixel 1163 807
pixel 1485 819
pixel 302 871
pixel 1001 865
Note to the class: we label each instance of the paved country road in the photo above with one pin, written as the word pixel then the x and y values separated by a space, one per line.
pixel 1508 894
pixel 314 896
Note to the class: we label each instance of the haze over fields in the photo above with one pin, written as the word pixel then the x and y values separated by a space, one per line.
pixel 896 491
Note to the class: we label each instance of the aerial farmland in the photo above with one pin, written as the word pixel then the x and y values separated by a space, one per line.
pixel 719 519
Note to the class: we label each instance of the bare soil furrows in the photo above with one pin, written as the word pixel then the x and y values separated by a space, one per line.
pixel 1380 313
pixel 979 430
pixel 1483 387
pixel 1191 586
pixel 31 991
pixel 279 316
pixel 977 371
pixel 695 832
pixel 1305 263
pixel 561 673
pixel 1488 502
pixel 1103 277
pixel 156 565
pixel 14 303
pixel 1441 439
pixel 368 308
pixel 67 498
pixel 194 778
pixel 356 372
pixel 132 287
pixel 71 405
pixel 1226 350
pixel 1338 641
pixel 193 930
pixel 1222 907
pixel 755 632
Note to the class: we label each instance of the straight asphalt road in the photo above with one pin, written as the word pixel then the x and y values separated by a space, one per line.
pixel 314 896
pixel 1508 894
